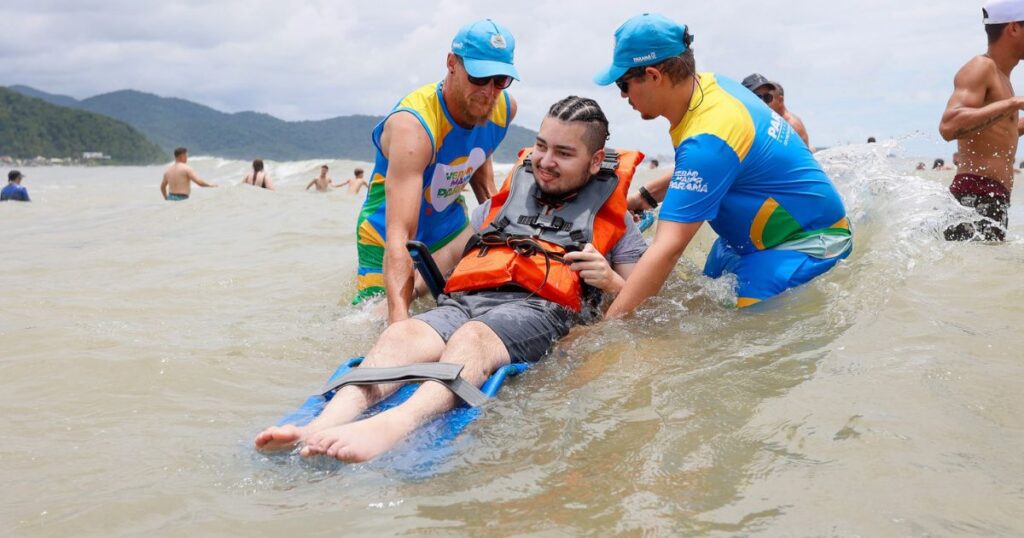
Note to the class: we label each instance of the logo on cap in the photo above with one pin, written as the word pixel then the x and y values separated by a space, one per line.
pixel 645 58
pixel 498 41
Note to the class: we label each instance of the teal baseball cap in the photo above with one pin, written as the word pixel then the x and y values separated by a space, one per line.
pixel 643 40
pixel 486 49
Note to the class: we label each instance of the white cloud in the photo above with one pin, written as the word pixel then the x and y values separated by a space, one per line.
pixel 851 68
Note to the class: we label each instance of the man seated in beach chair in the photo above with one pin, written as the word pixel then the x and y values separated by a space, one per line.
pixel 549 245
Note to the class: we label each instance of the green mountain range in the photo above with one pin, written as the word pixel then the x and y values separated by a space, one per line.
pixel 32 127
pixel 171 122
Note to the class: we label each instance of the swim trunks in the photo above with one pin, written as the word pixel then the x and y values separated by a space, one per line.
pixel 458 154
pixel 174 197
pixel 743 168
pixel 990 199
pixel 766 273
pixel 525 323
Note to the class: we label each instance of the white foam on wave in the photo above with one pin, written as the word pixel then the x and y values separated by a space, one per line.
pixel 282 172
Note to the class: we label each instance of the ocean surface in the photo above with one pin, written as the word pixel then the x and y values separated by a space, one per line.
pixel 145 343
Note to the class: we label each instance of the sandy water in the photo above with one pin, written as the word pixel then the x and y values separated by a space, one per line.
pixel 144 343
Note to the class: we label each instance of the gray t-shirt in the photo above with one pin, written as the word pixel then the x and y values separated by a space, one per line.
pixel 628 250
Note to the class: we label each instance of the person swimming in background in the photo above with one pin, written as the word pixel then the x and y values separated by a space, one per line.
pixel 921 166
pixel 178 178
pixel 355 183
pixel 871 140
pixel 983 116
pixel 940 164
pixel 14 191
pixel 322 182
pixel 258 177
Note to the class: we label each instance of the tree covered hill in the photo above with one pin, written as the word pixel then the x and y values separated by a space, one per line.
pixel 31 127
pixel 172 122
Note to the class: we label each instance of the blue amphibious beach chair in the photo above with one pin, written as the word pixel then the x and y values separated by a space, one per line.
pixel 453 422
pixel 446 374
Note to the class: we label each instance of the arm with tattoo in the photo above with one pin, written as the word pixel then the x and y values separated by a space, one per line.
pixel 966 111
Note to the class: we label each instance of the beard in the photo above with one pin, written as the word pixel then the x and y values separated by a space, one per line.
pixel 558 186
pixel 477 112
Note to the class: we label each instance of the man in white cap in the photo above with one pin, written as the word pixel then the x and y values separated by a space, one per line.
pixel 982 116
pixel 433 143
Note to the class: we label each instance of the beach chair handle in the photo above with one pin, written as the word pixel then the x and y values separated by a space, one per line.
pixel 426 266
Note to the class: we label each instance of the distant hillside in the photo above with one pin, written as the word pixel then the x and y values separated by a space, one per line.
pixel 59 100
pixel 30 127
pixel 174 122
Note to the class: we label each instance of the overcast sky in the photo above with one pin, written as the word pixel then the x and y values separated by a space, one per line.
pixel 851 68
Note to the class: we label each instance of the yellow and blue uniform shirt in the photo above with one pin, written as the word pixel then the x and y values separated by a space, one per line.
pixel 742 167
pixel 458 154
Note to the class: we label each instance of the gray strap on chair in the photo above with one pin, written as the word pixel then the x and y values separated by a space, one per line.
pixel 445 373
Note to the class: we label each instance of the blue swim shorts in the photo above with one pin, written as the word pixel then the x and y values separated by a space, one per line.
pixel 766 273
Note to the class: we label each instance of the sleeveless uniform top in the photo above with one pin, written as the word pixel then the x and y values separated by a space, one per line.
pixel 458 153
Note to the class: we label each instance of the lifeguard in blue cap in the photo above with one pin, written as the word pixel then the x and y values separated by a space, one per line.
pixel 434 142
pixel 738 166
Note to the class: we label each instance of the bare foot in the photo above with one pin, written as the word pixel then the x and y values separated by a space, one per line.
pixel 277 438
pixel 359 441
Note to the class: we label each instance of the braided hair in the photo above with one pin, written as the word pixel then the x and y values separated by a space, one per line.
pixel 584 110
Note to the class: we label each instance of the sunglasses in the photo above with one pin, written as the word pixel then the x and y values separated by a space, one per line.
pixel 500 81
pixel 767 97
pixel 634 73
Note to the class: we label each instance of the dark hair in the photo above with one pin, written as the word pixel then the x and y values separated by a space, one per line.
pixel 257 166
pixel 584 110
pixel 995 31
pixel 655 162
pixel 179 152
pixel 871 140
pixel 358 172
pixel 678 69
pixel 938 164
pixel 323 166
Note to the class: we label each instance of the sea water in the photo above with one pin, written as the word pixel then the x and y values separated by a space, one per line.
pixel 145 343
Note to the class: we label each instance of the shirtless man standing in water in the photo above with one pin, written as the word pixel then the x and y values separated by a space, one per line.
pixel 179 177
pixel 322 182
pixel 982 116
pixel 355 183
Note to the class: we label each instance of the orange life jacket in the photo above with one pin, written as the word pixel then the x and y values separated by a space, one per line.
pixel 522 240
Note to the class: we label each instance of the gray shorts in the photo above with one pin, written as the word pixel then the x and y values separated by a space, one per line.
pixel 528 326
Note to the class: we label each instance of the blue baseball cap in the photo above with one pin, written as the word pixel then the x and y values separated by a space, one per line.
pixel 643 40
pixel 486 49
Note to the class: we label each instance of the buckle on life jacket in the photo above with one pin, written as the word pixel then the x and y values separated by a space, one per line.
pixel 475 241
pixel 546 222
pixel 608 165
pixel 501 224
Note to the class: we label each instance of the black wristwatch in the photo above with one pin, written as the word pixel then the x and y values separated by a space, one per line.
pixel 646 195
